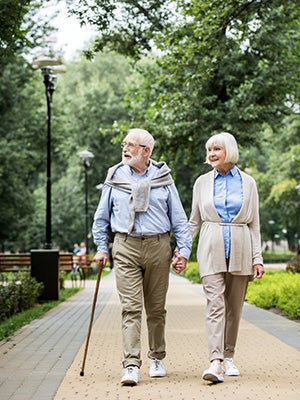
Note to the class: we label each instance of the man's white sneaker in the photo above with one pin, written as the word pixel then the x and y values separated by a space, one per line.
pixel 230 368
pixel 130 375
pixel 213 373
pixel 157 369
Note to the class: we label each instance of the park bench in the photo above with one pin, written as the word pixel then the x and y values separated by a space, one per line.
pixel 21 262
pixel 15 262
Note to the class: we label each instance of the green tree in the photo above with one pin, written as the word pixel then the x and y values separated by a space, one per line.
pixel 221 66
pixel 21 124
pixel 22 137
pixel 227 66
pixel 127 27
pixel 19 31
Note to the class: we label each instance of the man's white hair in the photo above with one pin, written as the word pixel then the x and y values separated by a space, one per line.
pixel 144 136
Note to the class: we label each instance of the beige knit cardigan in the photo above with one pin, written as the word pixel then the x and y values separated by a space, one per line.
pixel 245 230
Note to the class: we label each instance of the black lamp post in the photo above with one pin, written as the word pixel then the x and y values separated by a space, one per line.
pixel 86 156
pixel 44 262
pixel 49 70
pixel 49 81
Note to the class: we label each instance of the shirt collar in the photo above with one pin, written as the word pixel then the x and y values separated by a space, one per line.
pixel 145 173
pixel 233 171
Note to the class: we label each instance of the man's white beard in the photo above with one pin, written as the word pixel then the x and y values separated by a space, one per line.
pixel 134 160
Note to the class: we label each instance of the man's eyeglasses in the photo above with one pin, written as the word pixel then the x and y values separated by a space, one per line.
pixel 131 145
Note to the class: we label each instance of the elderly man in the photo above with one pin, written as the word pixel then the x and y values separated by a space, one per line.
pixel 141 205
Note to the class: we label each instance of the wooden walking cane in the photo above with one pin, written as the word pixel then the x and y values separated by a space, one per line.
pixel 101 266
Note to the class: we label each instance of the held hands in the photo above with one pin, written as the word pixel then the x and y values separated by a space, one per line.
pixel 101 258
pixel 258 271
pixel 178 262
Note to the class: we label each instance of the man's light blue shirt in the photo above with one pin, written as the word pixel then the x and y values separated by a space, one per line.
pixel 228 198
pixel 165 212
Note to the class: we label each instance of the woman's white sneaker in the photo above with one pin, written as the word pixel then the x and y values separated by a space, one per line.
pixel 213 373
pixel 230 368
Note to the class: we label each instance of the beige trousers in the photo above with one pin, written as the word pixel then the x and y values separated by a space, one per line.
pixel 225 294
pixel 142 267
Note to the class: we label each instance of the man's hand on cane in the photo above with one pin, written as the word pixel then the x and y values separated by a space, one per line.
pixel 101 258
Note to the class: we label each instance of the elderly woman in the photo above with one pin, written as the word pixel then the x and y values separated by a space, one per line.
pixel 225 208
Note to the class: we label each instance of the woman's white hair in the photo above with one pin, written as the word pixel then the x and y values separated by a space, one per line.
pixel 226 140
pixel 145 137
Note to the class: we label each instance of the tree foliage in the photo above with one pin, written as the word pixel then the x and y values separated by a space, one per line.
pixel 223 65
pixel 22 125
pixel 127 27
pixel 21 140
pixel 220 71
pixel 18 28
pixel 219 66
pixel 197 68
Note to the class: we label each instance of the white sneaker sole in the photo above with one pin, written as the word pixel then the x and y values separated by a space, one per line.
pixel 212 378
pixel 232 373
pixel 128 382
pixel 157 375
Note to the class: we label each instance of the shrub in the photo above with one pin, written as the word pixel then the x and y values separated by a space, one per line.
pixel 289 297
pixel 277 256
pixel 279 289
pixel 62 277
pixel 19 294
pixel 192 272
pixel 29 292
pixel 9 299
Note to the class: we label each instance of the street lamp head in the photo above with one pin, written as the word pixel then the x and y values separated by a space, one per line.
pixel 49 79
pixel 44 61
pixel 86 156
pixel 49 67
